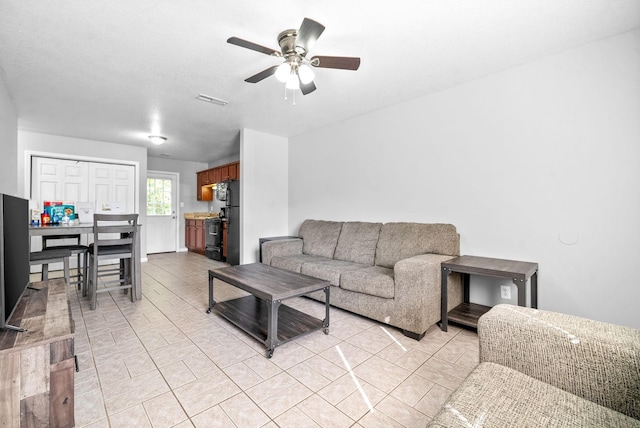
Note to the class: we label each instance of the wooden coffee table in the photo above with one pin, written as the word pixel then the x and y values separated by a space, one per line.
pixel 262 314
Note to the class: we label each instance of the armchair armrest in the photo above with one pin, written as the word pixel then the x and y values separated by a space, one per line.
pixel 278 248
pixel 594 360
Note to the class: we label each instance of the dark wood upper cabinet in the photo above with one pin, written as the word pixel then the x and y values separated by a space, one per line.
pixel 211 176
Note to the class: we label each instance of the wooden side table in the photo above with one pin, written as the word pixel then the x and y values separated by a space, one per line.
pixel 468 313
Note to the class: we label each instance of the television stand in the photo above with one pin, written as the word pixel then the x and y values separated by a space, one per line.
pixel 37 365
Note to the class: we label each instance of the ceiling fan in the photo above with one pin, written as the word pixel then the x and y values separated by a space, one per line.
pixel 296 70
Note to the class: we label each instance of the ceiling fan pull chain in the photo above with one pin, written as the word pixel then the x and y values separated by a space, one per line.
pixel 285 93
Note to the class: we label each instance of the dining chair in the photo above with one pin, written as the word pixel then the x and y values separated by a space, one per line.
pixel 45 257
pixel 114 237
pixel 77 249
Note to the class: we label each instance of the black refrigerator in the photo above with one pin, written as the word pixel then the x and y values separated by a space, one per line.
pixel 232 214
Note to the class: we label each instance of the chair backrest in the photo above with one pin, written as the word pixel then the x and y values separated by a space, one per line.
pixel 106 225
pixel 47 238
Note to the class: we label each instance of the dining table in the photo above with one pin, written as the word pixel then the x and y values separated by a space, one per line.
pixel 87 229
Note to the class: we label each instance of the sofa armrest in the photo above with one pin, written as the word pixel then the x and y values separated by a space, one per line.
pixel 279 248
pixel 418 289
pixel 594 360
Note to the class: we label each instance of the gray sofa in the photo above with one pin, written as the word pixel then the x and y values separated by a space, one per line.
pixel 545 369
pixel 386 272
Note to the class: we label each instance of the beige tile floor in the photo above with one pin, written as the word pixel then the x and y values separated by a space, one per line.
pixel 164 362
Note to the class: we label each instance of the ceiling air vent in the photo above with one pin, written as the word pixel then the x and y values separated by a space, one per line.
pixel 213 100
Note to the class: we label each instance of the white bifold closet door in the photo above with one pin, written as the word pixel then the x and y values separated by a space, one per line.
pixel 80 181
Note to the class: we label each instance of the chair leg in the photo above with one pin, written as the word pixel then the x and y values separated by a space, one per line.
pixel 67 276
pixel 86 282
pixel 78 272
pixel 45 271
pixel 84 274
pixel 131 278
pixel 94 283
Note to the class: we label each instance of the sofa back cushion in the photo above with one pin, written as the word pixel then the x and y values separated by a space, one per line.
pixel 403 240
pixel 357 242
pixel 320 237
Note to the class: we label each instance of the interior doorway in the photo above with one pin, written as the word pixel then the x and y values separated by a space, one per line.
pixel 162 212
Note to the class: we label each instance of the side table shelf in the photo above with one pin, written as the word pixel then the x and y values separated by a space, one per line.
pixel 37 366
pixel 468 313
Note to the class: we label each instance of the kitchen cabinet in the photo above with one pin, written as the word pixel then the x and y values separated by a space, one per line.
pixel 206 178
pixel 217 177
pixel 224 172
pixel 234 171
pixel 194 235
pixel 204 193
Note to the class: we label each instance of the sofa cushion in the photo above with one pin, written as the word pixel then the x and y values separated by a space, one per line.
pixel 374 280
pixel 320 237
pixel 329 270
pixel 294 263
pixel 357 242
pixel 497 396
pixel 399 241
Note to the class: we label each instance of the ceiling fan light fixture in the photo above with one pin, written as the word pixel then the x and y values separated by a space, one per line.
pixel 306 74
pixel 283 72
pixel 292 81
pixel 157 139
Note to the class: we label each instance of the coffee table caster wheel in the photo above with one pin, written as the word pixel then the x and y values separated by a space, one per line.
pixel 269 353
pixel 209 310
pixel 326 330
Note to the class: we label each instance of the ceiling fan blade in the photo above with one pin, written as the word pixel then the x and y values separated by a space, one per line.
pixel 308 34
pixel 262 75
pixel 253 46
pixel 341 62
pixel 307 88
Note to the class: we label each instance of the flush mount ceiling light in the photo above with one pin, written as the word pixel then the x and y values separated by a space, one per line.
pixel 157 139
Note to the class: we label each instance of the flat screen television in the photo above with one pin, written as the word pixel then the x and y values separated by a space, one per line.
pixel 14 254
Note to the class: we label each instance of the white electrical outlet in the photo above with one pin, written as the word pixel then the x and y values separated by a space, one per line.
pixel 505 292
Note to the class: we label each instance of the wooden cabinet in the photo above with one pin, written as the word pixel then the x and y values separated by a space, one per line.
pixel 204 192
pixel 194 235
pixel 224 172
pixel 206 178
pixel 37 366
pixel 234 171
pixel 217 177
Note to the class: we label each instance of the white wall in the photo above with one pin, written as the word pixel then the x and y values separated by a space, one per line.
pixel 519 161
pixel 89 149
pixel 187 188
pixel 263 190
pixel 8 143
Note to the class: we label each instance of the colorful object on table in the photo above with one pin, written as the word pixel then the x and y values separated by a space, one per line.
pixel 59 212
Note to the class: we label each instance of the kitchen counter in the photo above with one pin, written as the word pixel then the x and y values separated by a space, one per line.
pixel 200 215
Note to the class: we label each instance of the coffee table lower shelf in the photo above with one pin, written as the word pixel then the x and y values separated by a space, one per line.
pixel 467 314
pixel 250 314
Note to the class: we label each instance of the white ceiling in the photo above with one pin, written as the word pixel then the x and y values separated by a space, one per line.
pixel 112 70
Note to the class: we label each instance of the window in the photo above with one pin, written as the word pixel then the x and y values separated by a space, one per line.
pixel 158 196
